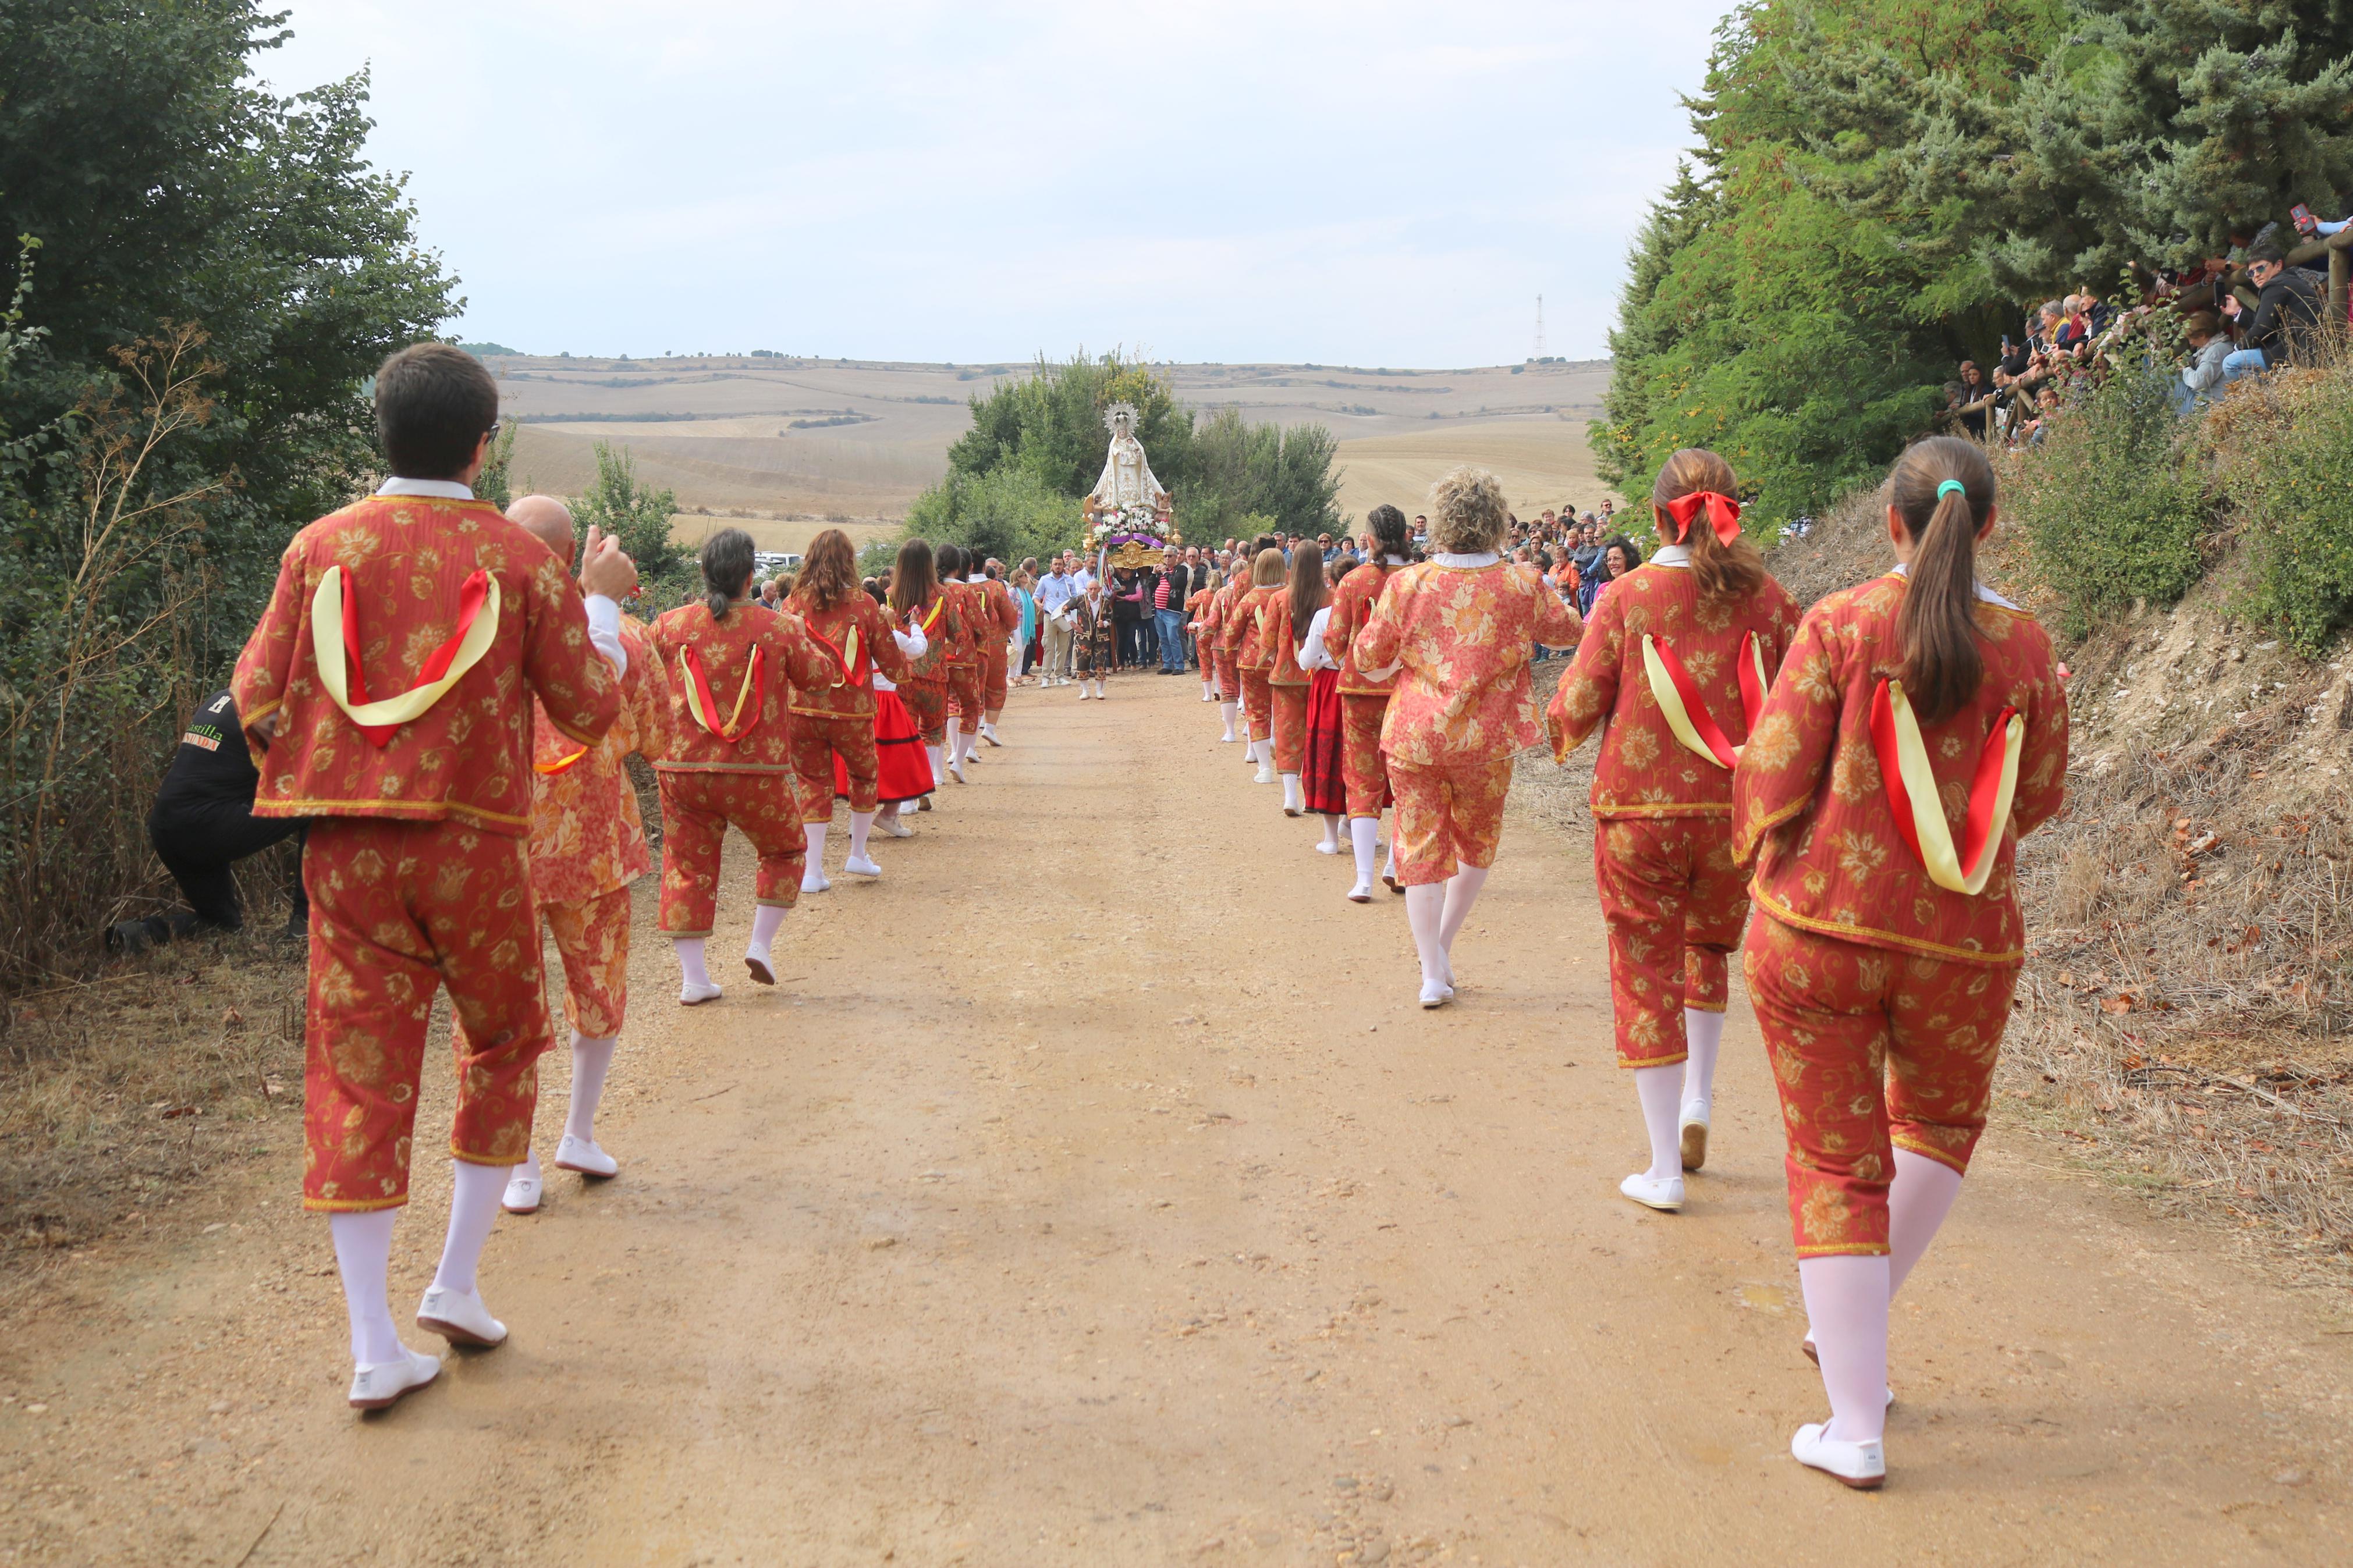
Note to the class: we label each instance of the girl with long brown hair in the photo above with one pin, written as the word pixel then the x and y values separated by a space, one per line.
pixel 1676 659
pixel 836 720
pixel 1283 624
pixel 1918 731
pixel 917 601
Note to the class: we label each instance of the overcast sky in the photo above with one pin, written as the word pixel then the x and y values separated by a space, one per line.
pixel 1364 183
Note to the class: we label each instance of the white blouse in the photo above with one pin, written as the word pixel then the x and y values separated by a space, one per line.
pixel 1311 652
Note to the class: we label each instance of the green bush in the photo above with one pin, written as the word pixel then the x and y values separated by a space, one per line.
pixel 2110 498
pixel 1008 512
pixel 2290 451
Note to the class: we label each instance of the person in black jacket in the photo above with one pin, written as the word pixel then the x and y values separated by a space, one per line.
pixel 2286 314
pixel 201 826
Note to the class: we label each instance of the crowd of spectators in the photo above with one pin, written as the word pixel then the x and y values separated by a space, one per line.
pixel 2223 319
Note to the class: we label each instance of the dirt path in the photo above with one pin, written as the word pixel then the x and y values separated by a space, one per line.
pixel 1099 1197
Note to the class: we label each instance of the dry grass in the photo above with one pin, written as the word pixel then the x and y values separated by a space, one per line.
pixel 118 1095
pixel 2182 1017
pixel 1542 462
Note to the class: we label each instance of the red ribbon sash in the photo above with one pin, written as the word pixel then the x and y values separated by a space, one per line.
pixel 842 660
pixel 756 677
pixel 1752 696
pixel 471 597
pixel 1984 786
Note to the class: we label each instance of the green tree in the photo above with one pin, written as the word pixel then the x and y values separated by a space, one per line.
pixel 209 273
pixel 639 515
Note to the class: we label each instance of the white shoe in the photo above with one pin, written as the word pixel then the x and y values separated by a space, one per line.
pixel 1666 1196
pixel 1362 893
pixel 459 1317
pixel 1814 1356
pixel 1862 1466
pixel 377 1385
pixel 1436 993
pixel 988 733
pixel 896 827
pixel 582 1154
pixel 1266 774
pixel 956 771
pixel 690 994
pixel 1694 1136
pixel 813 880
pixel 522 1187
pixel 1326 849
pixel 860 865
pixel 1227 739
pixel 761 966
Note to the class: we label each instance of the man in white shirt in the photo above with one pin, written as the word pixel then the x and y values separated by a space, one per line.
pixel 1055 591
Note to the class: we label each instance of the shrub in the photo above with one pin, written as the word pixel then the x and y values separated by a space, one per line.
pixel 2110 501
pixel 2286 445
pixel 1008 513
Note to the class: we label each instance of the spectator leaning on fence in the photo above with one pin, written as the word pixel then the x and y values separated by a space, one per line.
pixel 2287 308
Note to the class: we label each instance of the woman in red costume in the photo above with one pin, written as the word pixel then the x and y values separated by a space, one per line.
pixel 1246 635
pixel 732 665
pixel 1917 732
pixel 1676 659
pixel 1364 701
pixel 1216 644
pixel 919 603
pixel 1457 629
pixel 833 723
pixel 1282 625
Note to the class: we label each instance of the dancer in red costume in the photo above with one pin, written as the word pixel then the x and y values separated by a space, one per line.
pixel 919 602
pixel 1917 732
pixel 587 844
pixel 902 769
pixel 385 695
pixel 1364 701
pixel 965 671
pixel 733 664
pixel 1246 634
pixel 1457 628
pixel 1676 660
pixel 833 723
pixel 1283 625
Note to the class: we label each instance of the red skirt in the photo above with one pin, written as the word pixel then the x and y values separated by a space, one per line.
pixel 905 770
pixel 1319 770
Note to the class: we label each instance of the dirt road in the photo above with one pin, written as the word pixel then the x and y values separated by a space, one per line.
pixel 1093 1193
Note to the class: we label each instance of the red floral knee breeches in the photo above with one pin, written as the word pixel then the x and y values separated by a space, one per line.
pixel 1674 905
pixel 816 741
pixel 698 807
pixel 1287 722
pixel 592 941
pixel 396 910
pixel 1873 1050
pixel 1364 772
pixel 1447 816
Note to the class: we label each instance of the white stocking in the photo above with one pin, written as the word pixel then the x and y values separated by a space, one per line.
pixel 1425 907
pixel 815 832
pixel 1365 837
pixel 1846 1299
pixel 1917 1202
pixel 1661 1091
pixel 363 1257
pixel 591 1061
pixel 956 738
pixel 938 754
pixel 690 960
pixel 1389 870
pixel 1703 1032
pixel 1226 711
pixel 765 919
pixel 861 823
pixel 1461 892
pixel 1292 799
pixel 474 1194
pixel 1331 844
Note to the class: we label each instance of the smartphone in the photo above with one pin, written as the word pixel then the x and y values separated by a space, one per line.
pixel 2303 216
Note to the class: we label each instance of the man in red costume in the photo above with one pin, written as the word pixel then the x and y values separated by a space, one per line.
pixel 386 695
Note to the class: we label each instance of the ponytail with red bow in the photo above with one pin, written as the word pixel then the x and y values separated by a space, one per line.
pixel 1694 506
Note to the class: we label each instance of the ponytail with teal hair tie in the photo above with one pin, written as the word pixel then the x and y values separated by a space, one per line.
pixel 1949 486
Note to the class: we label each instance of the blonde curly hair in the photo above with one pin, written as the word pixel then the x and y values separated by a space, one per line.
pixel 1468 514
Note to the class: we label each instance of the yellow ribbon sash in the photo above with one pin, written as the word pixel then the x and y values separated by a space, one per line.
pixel 700 704
pixel 1686 713
pixel 1918 810
pixel 334 645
